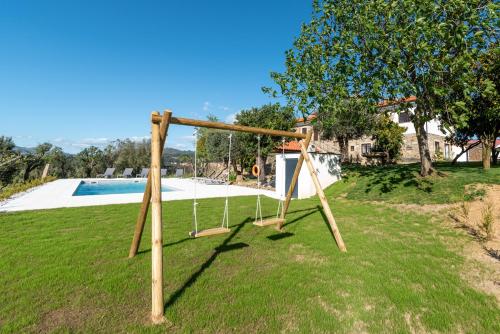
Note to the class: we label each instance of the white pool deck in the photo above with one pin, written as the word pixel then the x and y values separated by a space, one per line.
pixel 59 194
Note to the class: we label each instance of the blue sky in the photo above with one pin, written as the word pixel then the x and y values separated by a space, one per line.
pixel 76 73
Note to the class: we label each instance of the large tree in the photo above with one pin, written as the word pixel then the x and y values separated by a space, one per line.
pixel 484 105
pixel 388 50
pixel 90 162
pixel 350 119
pixel 35 160
pixel 269 116
pixel 8 160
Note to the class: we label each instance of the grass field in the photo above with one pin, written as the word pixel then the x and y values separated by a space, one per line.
pixel 66 270
pixel 402 183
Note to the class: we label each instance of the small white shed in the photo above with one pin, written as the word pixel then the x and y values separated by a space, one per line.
pixel 327 167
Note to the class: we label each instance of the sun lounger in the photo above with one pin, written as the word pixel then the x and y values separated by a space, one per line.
pixel 207 180
pixel 108 173
pixel 143 174
pixel 127 172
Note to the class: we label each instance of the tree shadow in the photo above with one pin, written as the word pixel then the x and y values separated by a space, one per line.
pixel 166 245
pixel 387 178
pixel 309 212
pixel 223 247
pixel 325 221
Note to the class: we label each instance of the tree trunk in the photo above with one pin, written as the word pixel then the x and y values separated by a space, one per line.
pixel 262 166
pixel 344 147
pixel 486 148
pixel 464 150
pixel 423 148
pixel 26 173
pixel 239 174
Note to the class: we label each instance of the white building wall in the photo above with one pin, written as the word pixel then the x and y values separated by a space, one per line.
pixel 327 168
pixel 432 126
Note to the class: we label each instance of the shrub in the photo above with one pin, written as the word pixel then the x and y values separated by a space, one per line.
pixel 15 188
pixel 488 220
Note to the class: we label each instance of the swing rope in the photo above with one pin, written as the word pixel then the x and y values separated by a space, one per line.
pixel 258 209
pixel 282 193
pixel 195 203
pixel 225 218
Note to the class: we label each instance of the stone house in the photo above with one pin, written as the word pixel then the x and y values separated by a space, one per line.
pixel 360 148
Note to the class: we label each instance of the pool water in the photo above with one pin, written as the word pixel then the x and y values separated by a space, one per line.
pixel 86 188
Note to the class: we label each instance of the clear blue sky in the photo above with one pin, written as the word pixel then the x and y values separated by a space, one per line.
pixel 76 73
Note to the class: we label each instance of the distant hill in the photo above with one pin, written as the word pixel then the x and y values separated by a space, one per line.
pixel 171 152
pixel 175 152
pixel 172 155
pixel 24 150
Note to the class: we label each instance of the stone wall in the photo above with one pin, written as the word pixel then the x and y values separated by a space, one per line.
pixel 409 149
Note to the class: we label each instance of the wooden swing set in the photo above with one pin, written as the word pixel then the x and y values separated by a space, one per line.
pixel 152 194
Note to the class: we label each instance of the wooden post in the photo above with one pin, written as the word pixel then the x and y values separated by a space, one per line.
pixel 295 177
pixel 141 218
pixel 156 228
pixel 322 198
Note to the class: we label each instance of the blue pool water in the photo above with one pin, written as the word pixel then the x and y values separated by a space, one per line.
pixel 86 188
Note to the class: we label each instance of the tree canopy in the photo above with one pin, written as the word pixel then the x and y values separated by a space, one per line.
pixel 385 50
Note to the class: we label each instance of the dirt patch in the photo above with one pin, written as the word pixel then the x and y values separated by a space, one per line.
pixel 482 267
pixel 304 255
pixel 424 208
pixel 328 308
pixel 414 324
pixel 481 270
pixel 65 318
pixel 481 219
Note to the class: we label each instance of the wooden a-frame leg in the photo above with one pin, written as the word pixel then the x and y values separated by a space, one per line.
pixel 293 183
pixel 322 198
pixel 157 308
pixel 146 199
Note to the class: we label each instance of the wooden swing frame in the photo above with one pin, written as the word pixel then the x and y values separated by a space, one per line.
pixel 152 194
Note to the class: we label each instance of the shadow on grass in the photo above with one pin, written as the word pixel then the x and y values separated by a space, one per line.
pixel 223 247
pixel 248 220
pixel 166 245
pixel 308 211
pixel 280 236
pixel 325 221
pixel 388 178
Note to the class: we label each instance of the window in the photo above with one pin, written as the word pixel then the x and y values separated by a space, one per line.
pixel 304 131
pixel 366 148
pixel 352 148
pixel 404 117
pixel 437 147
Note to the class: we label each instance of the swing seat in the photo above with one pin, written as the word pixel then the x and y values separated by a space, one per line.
pixel 271 221
pixel 209 232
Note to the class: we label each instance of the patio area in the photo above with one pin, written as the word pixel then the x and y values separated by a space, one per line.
pixel 59 194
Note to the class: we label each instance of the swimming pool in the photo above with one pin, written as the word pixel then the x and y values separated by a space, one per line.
pixel 110 187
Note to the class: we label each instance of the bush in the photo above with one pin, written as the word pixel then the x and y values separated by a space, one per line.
pixel 388 137
pixel 15 188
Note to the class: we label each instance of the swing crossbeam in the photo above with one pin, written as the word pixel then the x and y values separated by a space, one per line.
pixel 152 193
pixel 271 221
pixel 230 127
pixel 209 232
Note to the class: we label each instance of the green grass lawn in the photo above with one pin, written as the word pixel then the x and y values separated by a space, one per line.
pixel 66 270
pixel 402 183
